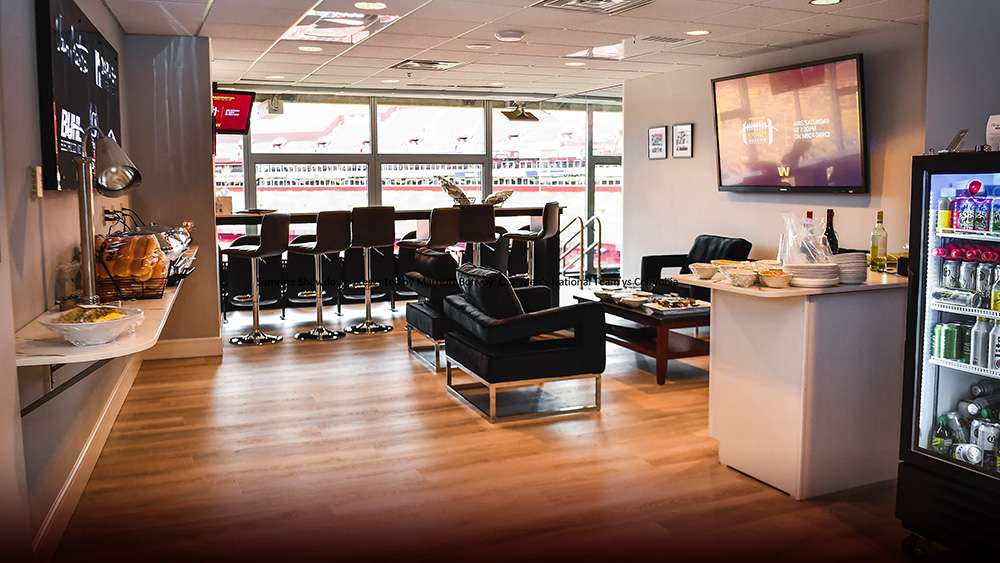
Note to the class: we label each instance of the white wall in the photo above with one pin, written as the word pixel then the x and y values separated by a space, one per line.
pixel 669 202
pixel 963 86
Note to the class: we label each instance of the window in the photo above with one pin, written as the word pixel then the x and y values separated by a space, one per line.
pixel 608 133
pixel 608 206
pixel 229 182
pixel 311 127
pixel 308 188
pixel 542 161
pixel 416 186
pixel 431 127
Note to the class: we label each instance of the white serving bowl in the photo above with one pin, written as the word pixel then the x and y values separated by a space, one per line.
pixel 703 271
pixel 91 334
pixel 776 282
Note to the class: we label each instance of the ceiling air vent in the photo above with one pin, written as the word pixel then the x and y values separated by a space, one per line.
pixel 662 39
pixel 413 64
pixel 594 6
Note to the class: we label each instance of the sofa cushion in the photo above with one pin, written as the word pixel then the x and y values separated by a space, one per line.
pixel 435 265
pixel 489 291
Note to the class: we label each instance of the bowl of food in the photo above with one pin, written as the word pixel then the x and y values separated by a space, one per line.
pixel 765 265
pixel 744 277
pixel 603 295
pixel 776 279
pixel 720 263
pixel 703 271
pixel 633 301
pixel 90 325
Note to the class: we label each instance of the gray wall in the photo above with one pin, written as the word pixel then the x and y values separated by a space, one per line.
pixel 669 202
pixel 43 233
pixel 170 133
pixel 963 75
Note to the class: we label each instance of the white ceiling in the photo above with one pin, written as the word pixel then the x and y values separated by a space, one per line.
pixel 247 49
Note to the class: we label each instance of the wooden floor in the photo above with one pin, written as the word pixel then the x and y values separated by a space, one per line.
pixel 353 451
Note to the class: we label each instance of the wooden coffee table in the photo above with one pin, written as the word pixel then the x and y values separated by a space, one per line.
pixel 651 334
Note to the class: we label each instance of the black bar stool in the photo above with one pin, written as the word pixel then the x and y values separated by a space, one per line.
pixel 477 225
pixel 444 230
pixel 333 234
pixel 273 242
pixel 548 229
pixel 371 227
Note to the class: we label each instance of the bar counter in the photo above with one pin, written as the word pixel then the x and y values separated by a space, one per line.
pixel 805 384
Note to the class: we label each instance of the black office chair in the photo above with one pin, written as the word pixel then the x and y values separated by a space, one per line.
pixel 273 242
pixel 477 225
pixel 372 227
pixel 496 342
pixel 548 229
pixel 333 235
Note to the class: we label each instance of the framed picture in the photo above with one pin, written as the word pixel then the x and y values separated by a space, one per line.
pixel 683 140
pixel 657 148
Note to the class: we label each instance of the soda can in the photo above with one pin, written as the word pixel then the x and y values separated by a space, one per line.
pixel 958 431
pixel 981 214
pixel 967 276
pixel 984 278
pixel 968 453
pixel 964 215
pixel 950 274
pixel 985 435
pixel 995 215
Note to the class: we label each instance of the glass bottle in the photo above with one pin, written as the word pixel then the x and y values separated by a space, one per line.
pixel 831 234
pixel 880 240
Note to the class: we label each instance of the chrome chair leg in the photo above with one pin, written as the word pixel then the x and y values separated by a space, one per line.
pixel 319 332
pixel 256 336
pixel 369 326
pixel 531 262
pixel 419 351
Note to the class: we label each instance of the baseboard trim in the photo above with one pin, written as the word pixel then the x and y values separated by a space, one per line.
pixel 184 348
pixel 51 530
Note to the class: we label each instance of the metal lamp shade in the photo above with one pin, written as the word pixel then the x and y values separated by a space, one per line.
pixel 114 171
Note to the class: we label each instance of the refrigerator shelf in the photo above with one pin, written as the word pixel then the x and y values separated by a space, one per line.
pixel 963 310
pixel 968 368
pixel 969 235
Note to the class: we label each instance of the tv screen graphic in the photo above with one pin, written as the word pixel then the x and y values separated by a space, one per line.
pixel 78 85
pixel 793 129
pixel 231 111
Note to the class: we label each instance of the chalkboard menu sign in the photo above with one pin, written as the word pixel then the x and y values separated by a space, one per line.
pixel 77 88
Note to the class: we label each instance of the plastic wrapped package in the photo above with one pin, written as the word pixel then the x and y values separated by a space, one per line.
pixel 803 242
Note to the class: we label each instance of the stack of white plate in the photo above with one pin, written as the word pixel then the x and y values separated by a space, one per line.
pixel 814 275
pixel 853 267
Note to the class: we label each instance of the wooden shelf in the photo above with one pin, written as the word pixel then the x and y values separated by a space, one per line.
pixel 36 345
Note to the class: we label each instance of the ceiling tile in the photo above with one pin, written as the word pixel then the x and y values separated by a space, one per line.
pixel 681 10
pixel 714 48
pixel 755 16
pixel 460 10
pixel 339 70
pixel 395 7
pixel 431 27
pixel 805 6
pixel 394 53
pixel 269 65
pixel 777 37
pixel 890 10
pixel 831 24
pixel 627 25
pixel 387 39
pixel 235 31
pixel 553 18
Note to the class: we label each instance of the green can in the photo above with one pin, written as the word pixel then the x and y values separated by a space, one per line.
pixel 937 341
pixel 951 343
pixel 964 342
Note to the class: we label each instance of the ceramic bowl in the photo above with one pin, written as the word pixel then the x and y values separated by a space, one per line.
pixel 632 301
pixel 741 277
pixel 777 281
pixel 703 271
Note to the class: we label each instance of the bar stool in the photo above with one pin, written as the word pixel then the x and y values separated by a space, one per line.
pixel 333 234
pixel 444 230
pixel 548 229
pixel 273 242
pixel 477 225
pixel 371 227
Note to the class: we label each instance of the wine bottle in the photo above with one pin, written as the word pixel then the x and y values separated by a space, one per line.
pixel 831 234
pixel 880 241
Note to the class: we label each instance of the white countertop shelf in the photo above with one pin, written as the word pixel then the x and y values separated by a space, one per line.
pixel 36 345
pixel 967 368
pixel 963 310
pixel 969 235
pixel 874 282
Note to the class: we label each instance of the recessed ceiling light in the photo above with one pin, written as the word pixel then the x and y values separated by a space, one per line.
pixel 479 46
pixel 310 49
pixel 509 35
pixel 576 63
pixel 496 83
pixel 275 77
pixel 390 81
pixel 697 32
pixel 824 2
pixel 373 6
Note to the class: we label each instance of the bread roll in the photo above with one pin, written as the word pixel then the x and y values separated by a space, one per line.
pixel 123 258
pixel 160 268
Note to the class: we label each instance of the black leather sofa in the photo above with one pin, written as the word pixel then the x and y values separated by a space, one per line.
pixel 705 249
pixel 504 340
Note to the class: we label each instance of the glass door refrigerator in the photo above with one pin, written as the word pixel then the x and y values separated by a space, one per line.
pixel 949 475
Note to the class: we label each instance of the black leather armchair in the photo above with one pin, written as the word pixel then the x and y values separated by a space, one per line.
pixel 705 249
pixel 504 339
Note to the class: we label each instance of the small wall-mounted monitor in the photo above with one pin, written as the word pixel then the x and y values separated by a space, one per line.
pixel 793 129
pixel 231 111
pixel 77 88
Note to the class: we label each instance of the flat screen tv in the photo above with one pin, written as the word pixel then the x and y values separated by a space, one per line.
pixel 231 111
pixel 77 88
pixel 795 129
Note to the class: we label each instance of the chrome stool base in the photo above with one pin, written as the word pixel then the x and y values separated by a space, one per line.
pixel 368 327
pixel 320 333
pixel 255 337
